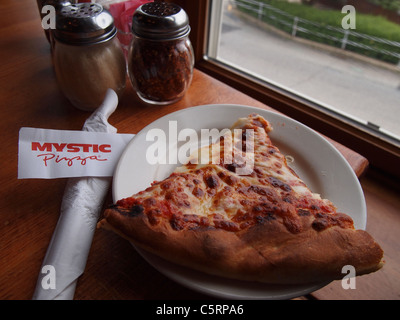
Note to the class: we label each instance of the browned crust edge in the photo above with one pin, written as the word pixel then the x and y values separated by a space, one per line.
pixel 267 252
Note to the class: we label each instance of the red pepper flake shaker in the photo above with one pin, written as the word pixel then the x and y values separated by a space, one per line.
pixel 161 59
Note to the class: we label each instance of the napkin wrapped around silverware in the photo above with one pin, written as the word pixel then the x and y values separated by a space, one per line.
pixel 67 253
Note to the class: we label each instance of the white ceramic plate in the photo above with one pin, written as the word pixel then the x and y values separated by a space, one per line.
pixel 319 164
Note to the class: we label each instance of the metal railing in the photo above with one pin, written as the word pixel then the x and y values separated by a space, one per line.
pixel 338 37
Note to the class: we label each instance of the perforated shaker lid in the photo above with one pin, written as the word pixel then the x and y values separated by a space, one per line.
pixel 160 21
pixel 84 23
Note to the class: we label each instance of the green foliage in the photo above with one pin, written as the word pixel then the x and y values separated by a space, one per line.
pixel 393 5
pixel 322 32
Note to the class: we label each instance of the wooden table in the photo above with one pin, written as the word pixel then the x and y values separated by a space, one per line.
pixel 30 97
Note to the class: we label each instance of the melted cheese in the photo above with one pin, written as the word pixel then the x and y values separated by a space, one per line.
pixel 212 193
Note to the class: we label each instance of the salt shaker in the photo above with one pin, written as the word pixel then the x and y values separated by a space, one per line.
pixel 160 59
pixel 87 56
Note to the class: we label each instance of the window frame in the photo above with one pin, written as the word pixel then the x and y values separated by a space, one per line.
pixel 381 154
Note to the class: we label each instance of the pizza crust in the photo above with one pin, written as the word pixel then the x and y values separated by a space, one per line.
pixel 266 252
pixel 210 250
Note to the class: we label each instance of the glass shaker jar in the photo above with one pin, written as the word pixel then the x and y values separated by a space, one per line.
pixel 160 59
pixel 87 56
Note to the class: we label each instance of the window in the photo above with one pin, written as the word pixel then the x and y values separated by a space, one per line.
pixel 269 70
pixel 353 75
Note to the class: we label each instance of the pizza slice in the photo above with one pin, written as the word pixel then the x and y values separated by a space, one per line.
pixel 244 214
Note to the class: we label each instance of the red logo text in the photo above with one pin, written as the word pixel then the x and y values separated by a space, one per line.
pixel 52 148
pixel 70 147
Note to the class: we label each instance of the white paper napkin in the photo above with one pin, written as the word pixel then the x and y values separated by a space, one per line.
pixel 80 209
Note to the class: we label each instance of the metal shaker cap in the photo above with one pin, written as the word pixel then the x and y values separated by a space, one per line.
pixel 83 24
pixel 160 21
